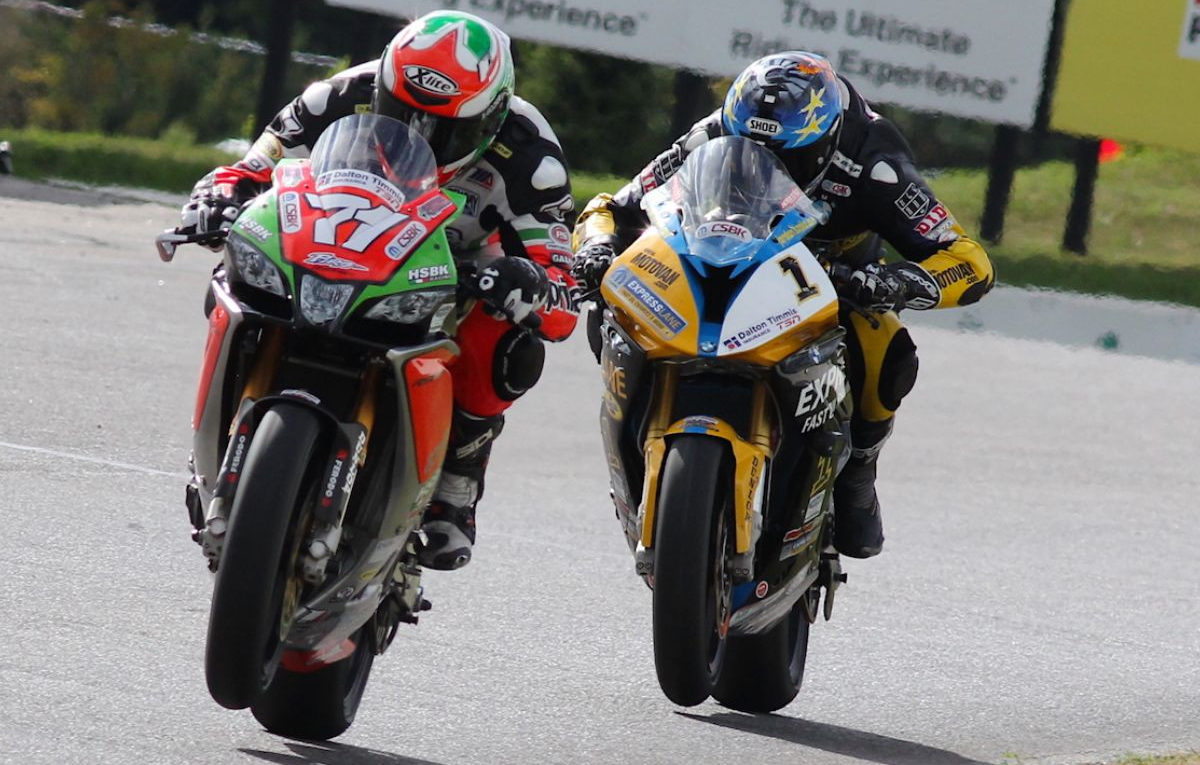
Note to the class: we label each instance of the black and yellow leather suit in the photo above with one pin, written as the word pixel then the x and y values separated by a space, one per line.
pixel 877 195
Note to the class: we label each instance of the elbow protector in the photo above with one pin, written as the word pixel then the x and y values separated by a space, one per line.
pixel 962 271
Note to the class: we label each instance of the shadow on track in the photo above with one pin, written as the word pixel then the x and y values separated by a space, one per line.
pixel 848 742
pixel 328 753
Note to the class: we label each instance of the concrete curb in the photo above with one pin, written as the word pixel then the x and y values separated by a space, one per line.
pixel 1140 328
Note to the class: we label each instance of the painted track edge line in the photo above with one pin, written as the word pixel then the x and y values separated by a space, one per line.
pixel 94 460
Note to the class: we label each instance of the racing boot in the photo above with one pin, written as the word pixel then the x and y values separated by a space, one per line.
pixel 448 528
pixel 449 532
pixel 857 525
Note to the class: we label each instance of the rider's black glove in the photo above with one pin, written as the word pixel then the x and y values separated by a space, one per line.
pixel 515 287
pixel 208 212
pixel 875 287
pixel 591 261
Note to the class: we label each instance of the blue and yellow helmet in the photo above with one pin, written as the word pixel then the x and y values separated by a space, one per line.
pixel 792 104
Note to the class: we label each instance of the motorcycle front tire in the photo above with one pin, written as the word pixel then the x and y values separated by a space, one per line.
pixel 689 586
pixel 244 644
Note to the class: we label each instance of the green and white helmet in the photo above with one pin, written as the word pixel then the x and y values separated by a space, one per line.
pixel 449 76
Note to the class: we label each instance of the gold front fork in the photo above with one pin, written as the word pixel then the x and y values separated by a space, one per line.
pixel 262 374
pixel 665 384
pixel 364 409
pixel 664 401
pixel 760 421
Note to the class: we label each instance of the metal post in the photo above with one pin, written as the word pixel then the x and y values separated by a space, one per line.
pixel 1079 217
pixel 691 100
pixel 279 50
pixel 1003 164
pixel 1001 169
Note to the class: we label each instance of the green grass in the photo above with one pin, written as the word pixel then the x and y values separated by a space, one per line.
pixel 110 161
pixel 1141 243
pixel 587 186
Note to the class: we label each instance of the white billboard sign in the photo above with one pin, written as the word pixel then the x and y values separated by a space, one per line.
pixel 970 58
pixel 1189 42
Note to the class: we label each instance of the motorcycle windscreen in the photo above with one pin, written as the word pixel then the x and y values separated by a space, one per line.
pixel 381 152
pixel 726 199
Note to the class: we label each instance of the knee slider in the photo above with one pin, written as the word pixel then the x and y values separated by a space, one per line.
pixel 898 373
pixel 517 364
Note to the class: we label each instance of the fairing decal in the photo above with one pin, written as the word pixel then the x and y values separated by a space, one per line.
pixel 352 228
pixel 647 284
pixel 789 293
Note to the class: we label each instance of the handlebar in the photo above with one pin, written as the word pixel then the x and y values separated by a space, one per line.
pixel 167 241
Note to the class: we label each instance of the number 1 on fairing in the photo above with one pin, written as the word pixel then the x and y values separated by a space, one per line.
pixel 791 266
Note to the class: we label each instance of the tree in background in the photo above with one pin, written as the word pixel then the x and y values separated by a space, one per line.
pixel 356 35
pixel 611 115
pixel 87 75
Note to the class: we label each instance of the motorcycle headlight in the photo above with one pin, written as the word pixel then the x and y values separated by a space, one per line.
pixel 408 307
pixel 255 268
pixel 322 302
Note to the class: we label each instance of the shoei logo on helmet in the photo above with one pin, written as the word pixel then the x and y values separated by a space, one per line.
pixel 764 126
pixel 431 80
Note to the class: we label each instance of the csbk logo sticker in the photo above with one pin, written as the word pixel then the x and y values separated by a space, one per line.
pixel 431 80
pixel 724 228
pixel 405 241
pixel 289 212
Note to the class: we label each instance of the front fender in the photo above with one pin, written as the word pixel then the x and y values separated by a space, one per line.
pixel 750 461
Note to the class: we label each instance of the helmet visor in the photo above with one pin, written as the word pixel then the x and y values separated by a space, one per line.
pixel 808 164
pixel 452 139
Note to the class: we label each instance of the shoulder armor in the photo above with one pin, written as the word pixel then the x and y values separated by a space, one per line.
pixel 527 155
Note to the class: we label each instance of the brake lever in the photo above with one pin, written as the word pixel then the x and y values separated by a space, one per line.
pixel 167 242
pixel 839 274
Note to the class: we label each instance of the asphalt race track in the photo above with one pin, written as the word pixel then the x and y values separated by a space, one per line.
pixel 1037 599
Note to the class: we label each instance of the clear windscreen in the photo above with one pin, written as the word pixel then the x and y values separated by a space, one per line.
pixel 729 194
pixel 378 146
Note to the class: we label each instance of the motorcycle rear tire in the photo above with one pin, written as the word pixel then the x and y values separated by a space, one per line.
pixel 320 705
pixel 688 564
pixel 762 673
pixel 244 644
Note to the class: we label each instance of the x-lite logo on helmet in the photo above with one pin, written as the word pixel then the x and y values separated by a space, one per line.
pixel 445 55
pixel 431 80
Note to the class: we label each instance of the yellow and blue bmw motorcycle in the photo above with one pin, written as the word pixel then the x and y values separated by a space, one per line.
pixel 725 420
